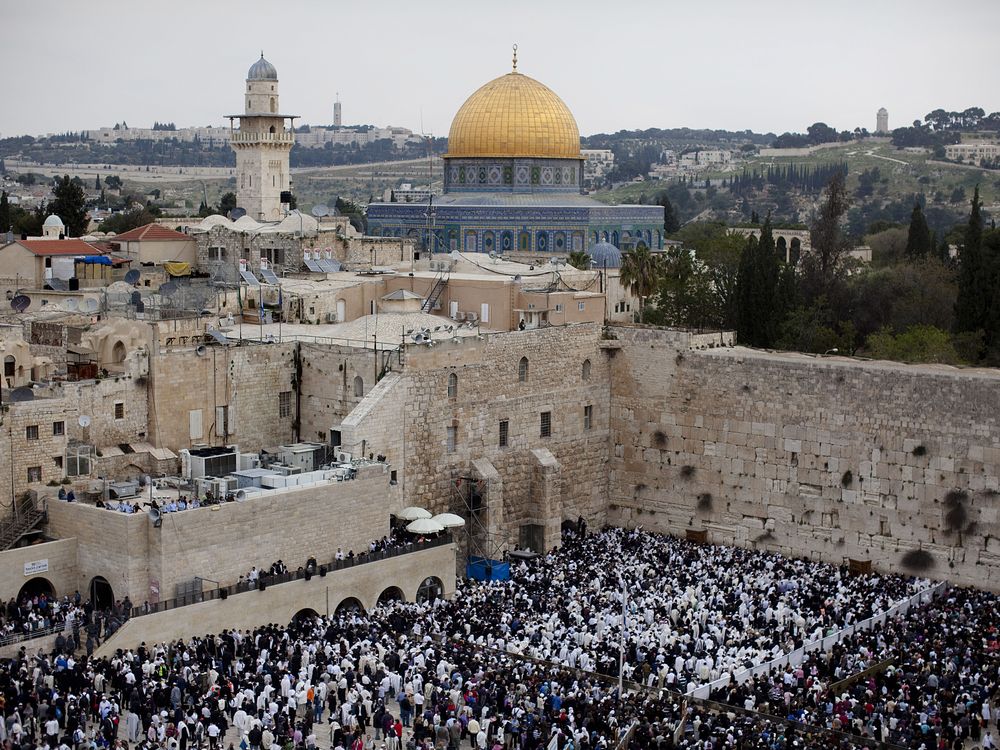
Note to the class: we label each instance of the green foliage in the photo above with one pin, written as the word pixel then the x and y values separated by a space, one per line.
pixel 976 278
pixel 759 304
pixel 900 296
pixel 70 204
pixel 918 239
pixel 579 259
pixel 888 245
pixel 227 203
pixel 354 213
pixel 687 296
pixel 136 216
pixel 671 223
pixel 815 329
pixel 916 344
pixel 5 216
pixel 640 273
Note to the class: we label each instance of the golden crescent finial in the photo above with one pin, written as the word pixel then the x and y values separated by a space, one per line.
pixel 515 58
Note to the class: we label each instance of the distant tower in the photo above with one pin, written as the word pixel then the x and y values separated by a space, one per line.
pixel 262 145
pixel 882 121
pixel 336 111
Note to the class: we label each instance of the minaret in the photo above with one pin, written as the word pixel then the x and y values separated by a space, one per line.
pixel 262 145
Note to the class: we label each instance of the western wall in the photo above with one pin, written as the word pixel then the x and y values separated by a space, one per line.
pixel 824 457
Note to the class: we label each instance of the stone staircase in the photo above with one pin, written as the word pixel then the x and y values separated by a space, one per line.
pixel 26 516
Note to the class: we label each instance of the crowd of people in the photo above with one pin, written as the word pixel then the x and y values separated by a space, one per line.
pixel 532 664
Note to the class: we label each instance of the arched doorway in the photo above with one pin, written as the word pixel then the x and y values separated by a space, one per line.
pixel 391 594
pixel 795 251
pixel 430 590
pixel 37 586
pixel 781 246
pixel 118 353
pixel 101 594
pixel 350 605
pixel 9 366
pixel 306 613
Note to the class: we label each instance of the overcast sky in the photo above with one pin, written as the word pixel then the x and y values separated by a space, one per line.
pixel 768 65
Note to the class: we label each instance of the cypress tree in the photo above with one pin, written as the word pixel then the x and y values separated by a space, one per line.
pixel 4 212
pixel 971 304
pixel 918 240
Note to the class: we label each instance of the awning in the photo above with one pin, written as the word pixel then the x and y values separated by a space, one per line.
pixel 177 268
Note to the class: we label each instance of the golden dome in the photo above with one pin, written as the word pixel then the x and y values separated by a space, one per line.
pixel 514 115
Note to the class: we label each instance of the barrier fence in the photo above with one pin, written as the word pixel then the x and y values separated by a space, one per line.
pixel 826 643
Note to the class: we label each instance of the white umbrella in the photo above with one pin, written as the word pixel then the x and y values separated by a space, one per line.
pixel 424 526
pixel 413 513
pixel 449 520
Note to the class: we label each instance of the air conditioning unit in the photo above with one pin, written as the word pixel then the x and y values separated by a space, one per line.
pixel 249 461
pixel 343 457
pixel 472 316
pixel 331 317
pixel 460 316
pixel 285 471
pixel 218 486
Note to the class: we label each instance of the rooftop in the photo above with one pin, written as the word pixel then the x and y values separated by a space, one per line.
pixel 152 232
pixel 57 247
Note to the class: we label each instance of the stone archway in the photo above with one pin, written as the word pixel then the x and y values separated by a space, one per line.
pixel 430 590
pixel 391 594
pixel 306 613
pixel 794 250
pixel 781 247
pixel 37 586
pixel 101 593
pixel 350 605
pixel 118 352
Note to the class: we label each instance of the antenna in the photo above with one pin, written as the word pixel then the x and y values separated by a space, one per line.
pixel 132 277
pixel 83 421
pixel 24 393
pixel 20 303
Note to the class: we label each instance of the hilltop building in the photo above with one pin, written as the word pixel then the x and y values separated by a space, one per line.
pixel 514 183
pixel 882 121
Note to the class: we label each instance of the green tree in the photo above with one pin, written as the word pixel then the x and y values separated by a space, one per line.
pixel 671 222
pixel 227 203
pixel 916 344
pixel 133 217
pixel 971 305
pixel 97 182
pixel 579 259
pixel 918 239
pixel 640 273
pixel 70 204
pixel 759 306
pixel 686 296
pixel 828 244
pixel 5 218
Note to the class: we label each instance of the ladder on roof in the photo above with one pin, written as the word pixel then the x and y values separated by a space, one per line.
pixel 436 291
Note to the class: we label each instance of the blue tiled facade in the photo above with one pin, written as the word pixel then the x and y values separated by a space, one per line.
pixel 516 206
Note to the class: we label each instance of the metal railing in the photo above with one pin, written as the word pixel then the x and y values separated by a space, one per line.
pixel 24 516
pixel 32 634
pixel 273 580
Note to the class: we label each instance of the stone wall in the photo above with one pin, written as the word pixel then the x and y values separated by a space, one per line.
pixel 223 542
pixel 406 418
pixel 821 457
pixel 280 603
pixel 60 557
pixel 187 390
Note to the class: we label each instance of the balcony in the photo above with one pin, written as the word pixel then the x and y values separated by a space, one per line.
pixel 250 138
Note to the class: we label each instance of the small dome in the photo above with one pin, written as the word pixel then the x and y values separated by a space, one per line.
pixel 604 254
pixel 53 221
pixel 262 70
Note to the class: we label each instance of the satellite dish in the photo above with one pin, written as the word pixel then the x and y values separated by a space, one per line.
pixel 132 277
pixel 24 393
pixel 168 289
pixel 83 421
pixel 20 303
pixel 136 298
pixel 58 285
pixel 237 213
pixel 72 304
pixel 320 211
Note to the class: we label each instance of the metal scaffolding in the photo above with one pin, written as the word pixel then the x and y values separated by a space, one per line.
pixel 469 499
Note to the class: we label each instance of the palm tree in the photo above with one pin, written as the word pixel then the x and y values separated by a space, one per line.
pixel 640 273
pixel 579 259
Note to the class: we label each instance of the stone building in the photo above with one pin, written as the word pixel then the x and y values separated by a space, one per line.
pixel 882 121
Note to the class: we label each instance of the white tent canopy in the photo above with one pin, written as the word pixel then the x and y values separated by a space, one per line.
pixel 424 526
pixel 412 513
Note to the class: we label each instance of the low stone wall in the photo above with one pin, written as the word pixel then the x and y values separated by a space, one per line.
pixel 280 603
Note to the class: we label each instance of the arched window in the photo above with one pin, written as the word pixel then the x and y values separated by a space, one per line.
pixel 273 108
pixel 9 365
pixel 586 369
pixel 430 589
pixel 271 130
pixel 522 370
pixel 359 386
pixel 452 385
pixel 118 352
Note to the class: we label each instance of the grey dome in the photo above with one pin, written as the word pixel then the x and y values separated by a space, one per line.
pixel 604 254
pixel 262 70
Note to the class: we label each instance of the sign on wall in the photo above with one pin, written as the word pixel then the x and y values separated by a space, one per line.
pixel 35 567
